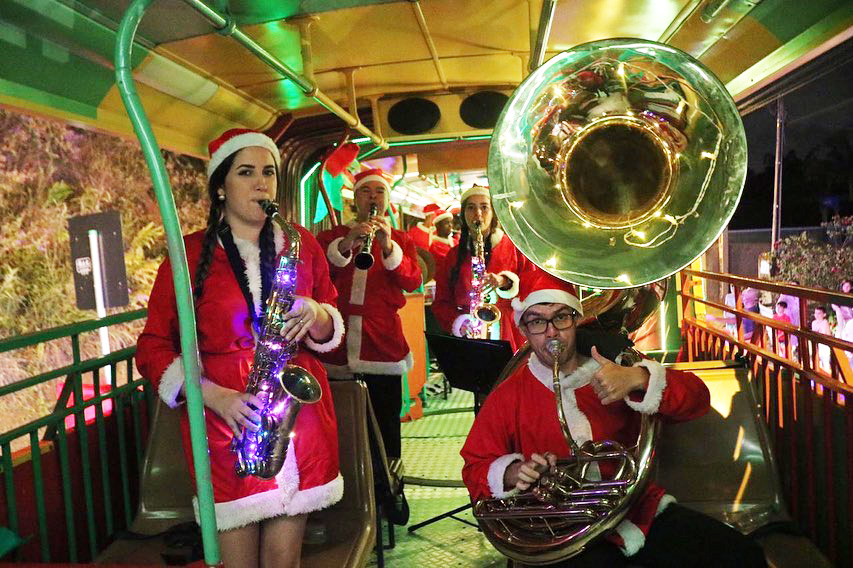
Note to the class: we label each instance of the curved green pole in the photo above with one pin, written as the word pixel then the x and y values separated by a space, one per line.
pixel 180 272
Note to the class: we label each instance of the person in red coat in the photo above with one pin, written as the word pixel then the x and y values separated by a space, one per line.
pixel 442 240
pixel 517 436
pixel 375 349
pixel 423 232
pixel 504 262
pixel 231 264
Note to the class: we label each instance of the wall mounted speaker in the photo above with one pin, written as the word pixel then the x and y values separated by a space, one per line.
pixel 413 116
pixel 482 109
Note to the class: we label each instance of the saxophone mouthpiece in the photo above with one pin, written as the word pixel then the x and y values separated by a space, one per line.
pixel 269 207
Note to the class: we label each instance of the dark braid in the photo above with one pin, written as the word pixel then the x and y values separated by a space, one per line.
pixel 466 247
pixel 266 242
pixel 214 223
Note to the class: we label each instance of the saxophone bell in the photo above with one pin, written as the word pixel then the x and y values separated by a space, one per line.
pixel 364 259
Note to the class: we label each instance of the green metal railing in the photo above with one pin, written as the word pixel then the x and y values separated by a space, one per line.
pixel 126 404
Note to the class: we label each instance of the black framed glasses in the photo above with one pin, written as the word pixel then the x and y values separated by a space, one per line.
pixel 563 320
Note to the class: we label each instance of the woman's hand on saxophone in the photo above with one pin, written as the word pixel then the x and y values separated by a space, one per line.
pixel 236 408
pixel 492 281
pixel 521 475
pixel 306 315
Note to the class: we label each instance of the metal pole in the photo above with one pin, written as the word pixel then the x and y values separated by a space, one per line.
pixel 546 19
pixel 227 27
pixel 100 303
pixel 180 274
pixel 777 173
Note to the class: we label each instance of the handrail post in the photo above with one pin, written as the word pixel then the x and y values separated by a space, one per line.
pixel 180 272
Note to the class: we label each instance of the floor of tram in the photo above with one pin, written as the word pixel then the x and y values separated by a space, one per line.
pixel 431 450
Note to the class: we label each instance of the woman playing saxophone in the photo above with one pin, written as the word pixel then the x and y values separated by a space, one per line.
pixel 232 263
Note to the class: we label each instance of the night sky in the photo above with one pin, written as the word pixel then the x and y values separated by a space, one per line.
pixel 818 153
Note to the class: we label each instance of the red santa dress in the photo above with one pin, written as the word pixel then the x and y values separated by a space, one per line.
pixel 310 479
pixel 369 301
pixel 440 247
pixel 452 308
pixel 519 418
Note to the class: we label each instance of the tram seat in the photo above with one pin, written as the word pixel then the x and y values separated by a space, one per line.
pixel 722 465
pixel 166 491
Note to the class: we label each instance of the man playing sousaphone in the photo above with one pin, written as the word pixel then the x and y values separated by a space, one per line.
pixel 517 435
pixel 502 264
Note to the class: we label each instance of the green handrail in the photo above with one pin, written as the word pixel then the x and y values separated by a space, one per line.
pixel 180 273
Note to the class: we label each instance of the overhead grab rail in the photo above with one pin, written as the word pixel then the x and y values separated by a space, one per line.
pixel 227 27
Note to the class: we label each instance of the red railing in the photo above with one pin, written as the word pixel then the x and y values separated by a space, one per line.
pixel 804 403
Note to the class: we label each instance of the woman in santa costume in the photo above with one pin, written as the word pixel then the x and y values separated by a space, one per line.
pixel 375 349
pixel 517 435
pixel 504 262
pixel 231 265
pixel 442 240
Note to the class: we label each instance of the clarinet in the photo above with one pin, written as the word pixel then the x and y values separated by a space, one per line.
pixel 364 259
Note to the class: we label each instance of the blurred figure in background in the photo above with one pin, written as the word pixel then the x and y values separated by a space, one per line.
pixel 821 325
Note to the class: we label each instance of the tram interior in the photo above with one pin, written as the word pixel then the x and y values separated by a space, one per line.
pixel 422 85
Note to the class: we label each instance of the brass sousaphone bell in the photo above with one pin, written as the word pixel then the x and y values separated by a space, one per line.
pixel 613 165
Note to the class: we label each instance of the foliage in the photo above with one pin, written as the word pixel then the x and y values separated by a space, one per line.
pixel 49 172
pixel 813 263
pixel 839 230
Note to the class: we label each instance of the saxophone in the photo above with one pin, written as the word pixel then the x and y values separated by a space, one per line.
pixel 483 313
pixel 282 387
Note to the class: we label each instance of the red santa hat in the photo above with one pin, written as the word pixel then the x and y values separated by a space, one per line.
pixel 475 190
pixel 540 287
pixel 441 215
pixel 236 139
pixel 374 174
pixel 340 158
pixel 432 208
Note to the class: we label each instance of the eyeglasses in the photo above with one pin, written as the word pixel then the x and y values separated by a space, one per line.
pixel 561 321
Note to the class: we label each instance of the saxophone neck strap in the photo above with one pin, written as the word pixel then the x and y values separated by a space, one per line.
pixel 238 267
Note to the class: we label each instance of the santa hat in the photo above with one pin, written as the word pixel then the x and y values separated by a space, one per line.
pixel 374 174
pixel 432 208
pixel 340 158
pixel 540 287
pixel 455 210
pixel 442 215
pixel 475 190
pixel 236 139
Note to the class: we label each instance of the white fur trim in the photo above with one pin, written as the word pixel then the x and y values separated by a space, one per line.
pixel 446 240
pixel 459 322
pixel 241 512
pixel 497 469
pixel 238 143
pixel 633 538
pixel 359 287
pixel 428 230
pixel 443 216
pixel 393 260
pixel 370 178
pixel 334 255
pixel 316 498
pixel 654 392
pixel 665 502
pixel 496 237
pixel 355 364
pixel 171 383
pixel 337 332
pixel 251 254
pixel 512 292
pixel 475 190
pixel 547 296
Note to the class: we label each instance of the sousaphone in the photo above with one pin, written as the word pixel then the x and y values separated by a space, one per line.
pixel 614 165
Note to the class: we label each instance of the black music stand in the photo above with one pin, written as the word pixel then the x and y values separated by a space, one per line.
pixel 472 365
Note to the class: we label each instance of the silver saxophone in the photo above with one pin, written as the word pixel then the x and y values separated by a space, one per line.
pixel 281 386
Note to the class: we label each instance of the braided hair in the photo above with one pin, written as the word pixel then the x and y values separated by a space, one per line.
pixel 216 222
pixel 466 247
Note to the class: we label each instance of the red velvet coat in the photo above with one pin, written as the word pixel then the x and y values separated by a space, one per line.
pixel 421 235
pixel 369 301
pixel 309 479
pixel 519 418
pixel 451 307
pixel 440 247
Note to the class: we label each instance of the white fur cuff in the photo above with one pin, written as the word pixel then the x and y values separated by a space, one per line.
pixel 461 321
pixel 633 538
pixel 171 383
pixel 513 290
pixel 394 259
pixel 496 475
pixel 334 254
pixel 316 498
pixel 654 392
pixel 337 332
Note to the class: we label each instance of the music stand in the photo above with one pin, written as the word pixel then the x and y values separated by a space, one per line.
pixel 472 365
